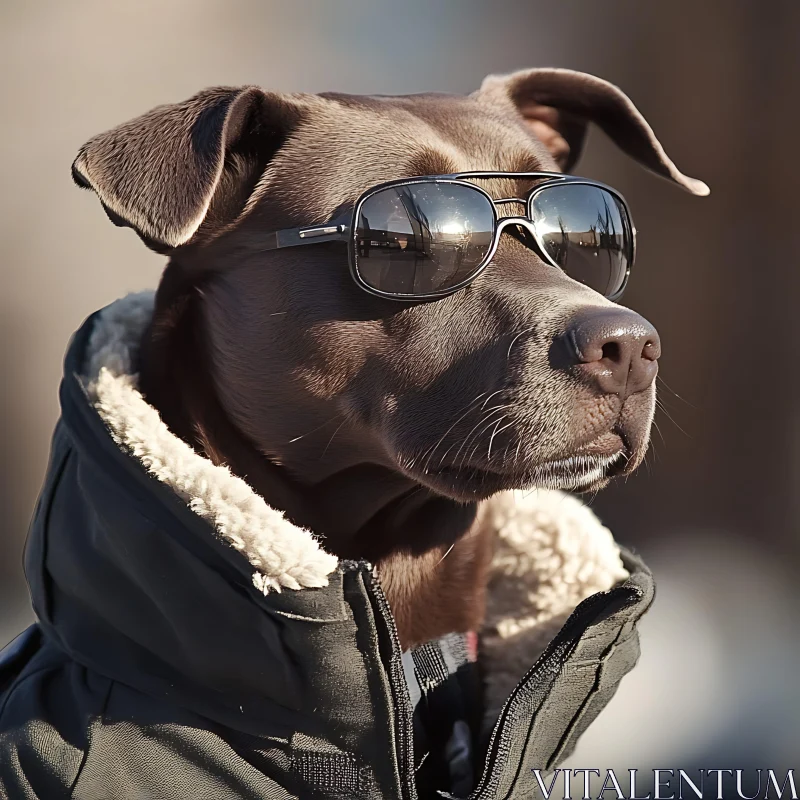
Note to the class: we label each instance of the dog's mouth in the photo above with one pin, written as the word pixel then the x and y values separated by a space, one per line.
pixel 588 469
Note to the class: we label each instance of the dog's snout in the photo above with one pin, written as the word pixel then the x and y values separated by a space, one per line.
pixel 616 349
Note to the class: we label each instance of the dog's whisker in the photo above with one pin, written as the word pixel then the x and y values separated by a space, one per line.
pixel 332 437
pixel 671 419
pixel 444 435
pixel 516 339
pixel 493 394
pixel 465 411
pixel 504 459
pixel 658 430
pixel 477 436
pixel 481 424
pixel 496 431
pixel 318 428
pixel 465 441
pixel 449 550
pixel 491 438
pixel 673 392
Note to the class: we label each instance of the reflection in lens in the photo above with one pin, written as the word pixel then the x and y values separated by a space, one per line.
pixel 423 238
pixel 585 230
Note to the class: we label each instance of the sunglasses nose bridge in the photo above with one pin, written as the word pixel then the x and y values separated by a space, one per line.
pixel 504 222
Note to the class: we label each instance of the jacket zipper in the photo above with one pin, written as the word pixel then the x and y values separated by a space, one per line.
pixel 497 750
pixel 402 702
pixel 403 709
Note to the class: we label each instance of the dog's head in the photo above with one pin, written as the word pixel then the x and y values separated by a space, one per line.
pixel 526 377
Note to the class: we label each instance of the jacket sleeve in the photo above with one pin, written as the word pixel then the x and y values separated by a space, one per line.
pixel 47 707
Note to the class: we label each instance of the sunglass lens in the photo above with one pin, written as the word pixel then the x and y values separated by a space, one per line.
pixel 423 239
pixel 586 231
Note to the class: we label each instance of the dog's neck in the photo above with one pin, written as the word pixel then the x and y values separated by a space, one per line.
pixel 366 511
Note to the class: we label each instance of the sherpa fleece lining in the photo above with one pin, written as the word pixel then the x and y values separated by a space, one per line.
pixel 551 551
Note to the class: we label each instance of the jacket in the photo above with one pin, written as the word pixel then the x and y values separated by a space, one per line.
pixel 192 643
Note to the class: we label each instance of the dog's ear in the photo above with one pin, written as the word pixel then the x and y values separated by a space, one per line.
pixel 558 104
pixel 179 167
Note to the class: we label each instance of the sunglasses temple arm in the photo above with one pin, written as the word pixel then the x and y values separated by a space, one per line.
pixel 294 237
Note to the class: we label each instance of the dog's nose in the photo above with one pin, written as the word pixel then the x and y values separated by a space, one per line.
pixel 616 349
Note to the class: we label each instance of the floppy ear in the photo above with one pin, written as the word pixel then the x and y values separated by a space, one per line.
pixel 183 166
pixel 558 104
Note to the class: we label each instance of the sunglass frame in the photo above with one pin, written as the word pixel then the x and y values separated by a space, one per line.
pixel 348 231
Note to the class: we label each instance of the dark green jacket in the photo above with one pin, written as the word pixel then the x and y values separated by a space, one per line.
pixel 157 670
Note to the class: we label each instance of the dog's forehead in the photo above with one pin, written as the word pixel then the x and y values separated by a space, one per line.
pixel 348 143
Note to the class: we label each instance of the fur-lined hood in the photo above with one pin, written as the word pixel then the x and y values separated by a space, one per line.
pixel 167 575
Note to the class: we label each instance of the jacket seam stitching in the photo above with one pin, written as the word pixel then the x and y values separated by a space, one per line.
pixel 42 565
pixel 557 755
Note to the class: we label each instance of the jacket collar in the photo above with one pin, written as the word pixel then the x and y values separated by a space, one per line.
pixel 551 552
pixel 281 554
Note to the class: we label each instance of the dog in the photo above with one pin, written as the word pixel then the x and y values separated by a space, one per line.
pixel 380 426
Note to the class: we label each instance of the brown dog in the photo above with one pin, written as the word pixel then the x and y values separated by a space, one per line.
pixel 376 424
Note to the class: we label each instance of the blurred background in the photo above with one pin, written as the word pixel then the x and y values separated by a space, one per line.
pixel 716 511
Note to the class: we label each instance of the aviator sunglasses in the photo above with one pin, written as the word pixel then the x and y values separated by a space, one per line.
pixel 427 237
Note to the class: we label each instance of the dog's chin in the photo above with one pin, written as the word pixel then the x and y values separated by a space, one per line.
pixel 577 473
